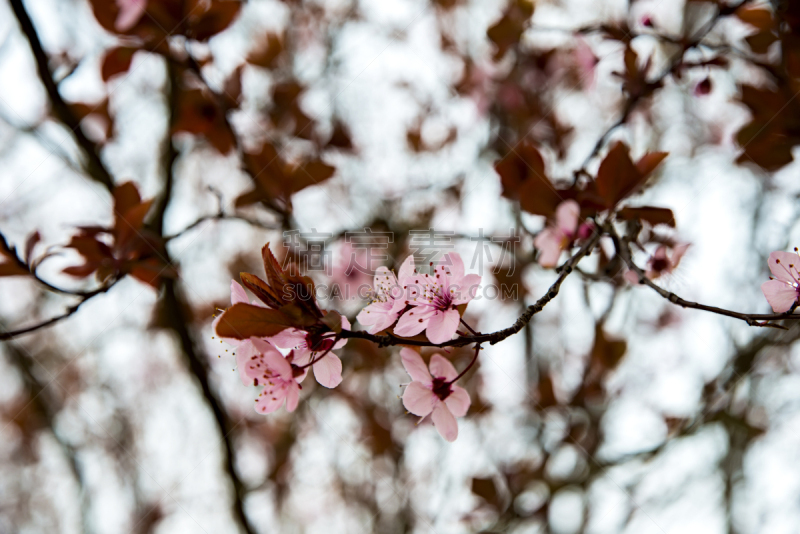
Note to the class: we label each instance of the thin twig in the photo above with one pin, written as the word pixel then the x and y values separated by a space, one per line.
pixel 753 319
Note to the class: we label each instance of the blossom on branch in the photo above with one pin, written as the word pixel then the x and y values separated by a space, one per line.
pixel 387 301
pixel 269 368
pixel 660 262
pixel 315 346
pixel 432 300
pixel 783 290
pixel 559 237
pixel 433 392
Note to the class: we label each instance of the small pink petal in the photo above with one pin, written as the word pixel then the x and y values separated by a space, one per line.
pixel 409 324
pixel 444 422
pixel 270 399
pixel 415 366
pixel 780 295
pixel 549 241
pixel 677 253
pixel 328 371
pixel 130 11
pixel 406 269
pixel 244 353
pixel 292 397
pixel 784 265
pixel 238 294
pixel 455 264
pixel 288 339
pixel 458 401
pixel 418 399
pixel 442 326
pixel 442 368
pixel 466 289
pixel 631 277
pixel 567 214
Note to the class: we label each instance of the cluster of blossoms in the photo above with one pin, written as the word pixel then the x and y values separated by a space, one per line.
pixel 260 363
pixel 300 335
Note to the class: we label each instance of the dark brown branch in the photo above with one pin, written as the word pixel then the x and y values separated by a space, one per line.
pixel 94 165
pixel 223 217
pixel 650 88
pixel 500 335
pixel 175 311
pixel 85 297
pixel 753 319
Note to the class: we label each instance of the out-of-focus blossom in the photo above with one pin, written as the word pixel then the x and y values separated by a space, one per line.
pixel 783 291
pixel 386 303
pixel 559 237
pixel 130 12
pixel 660 263
pixel 433 392
pixel 434 298
pixel 351 272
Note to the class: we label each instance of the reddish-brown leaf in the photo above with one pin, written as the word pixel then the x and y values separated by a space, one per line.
pixel 219 16
pixel 30 243
pixel 242 321
pixel 116 61
pixel 651 214
pixel 506 32
pixel 267 53
pixel 486 489
pixel 523 177
pixel 618 177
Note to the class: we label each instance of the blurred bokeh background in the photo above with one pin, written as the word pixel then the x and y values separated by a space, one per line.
pixel 612 411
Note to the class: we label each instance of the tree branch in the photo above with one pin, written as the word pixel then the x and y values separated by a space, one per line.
pixel 753 319
pixel 495 337
pixel 94 165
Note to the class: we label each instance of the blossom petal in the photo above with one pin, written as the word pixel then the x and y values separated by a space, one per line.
pixel 784 266
pixel 244 353
pixel 328 371
pixel 455 264
pixel 345 326
pixel 288 338
pixel 415 366
pixel 678 251
pixel 411 323
pixel 442 368
pixel 292 397
pixel 270 399
pixel 384 282
pixel 445 422
pixel 130 11
pixel 406 269
pixel 442 326
pixel 466 289
pixel 567 214
pixel 458 401
pixel 780 295
pixel 418 399
pixel 549 241
pixel 238 294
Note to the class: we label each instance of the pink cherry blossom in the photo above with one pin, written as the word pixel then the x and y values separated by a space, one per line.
pixel 130 12
pixel 384 309
pixel 433 393
pixel 244 347
pixel 660 262
pixel 559 237
pixel 269 368
pixel 352 271
pixel 433 299
pixel 316 347
pixel 783 291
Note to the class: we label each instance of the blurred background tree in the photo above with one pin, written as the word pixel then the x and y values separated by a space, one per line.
pixel 149 149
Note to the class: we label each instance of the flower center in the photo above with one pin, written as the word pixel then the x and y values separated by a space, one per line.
pixel 441 387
